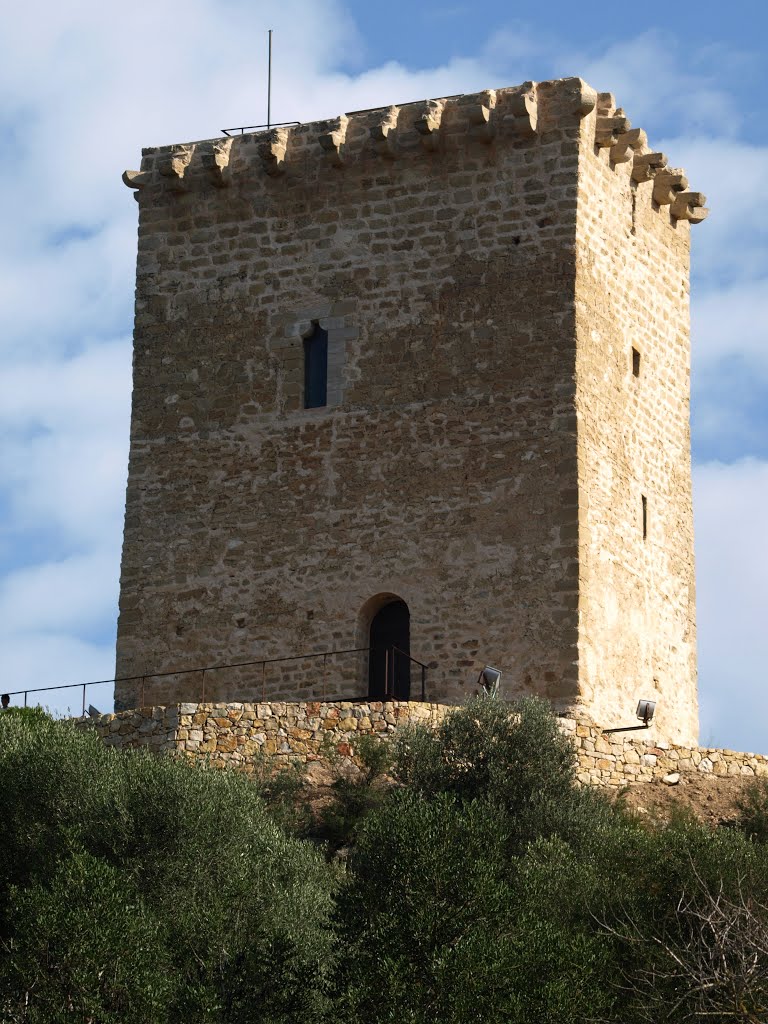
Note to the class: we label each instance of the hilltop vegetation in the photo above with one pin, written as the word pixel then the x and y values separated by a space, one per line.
pixel 485 886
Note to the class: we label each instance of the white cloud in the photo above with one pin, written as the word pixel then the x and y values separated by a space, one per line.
pixel 655 83
pixel 732 244
pixel 75 594
pixel 84 87
pixel 64 429
pixel 732 321
pixel 732 592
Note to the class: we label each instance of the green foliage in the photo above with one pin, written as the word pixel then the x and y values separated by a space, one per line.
pixel 426 888
pixel 513 755
pixel 227 912
pixel 355 796
pixel 491 888
pixel 518 755
pixel 484 886
pixel 753 811
pixel 33 713
pixel 282 790
pixel 85 946
pixel 438 922
pixel 375 755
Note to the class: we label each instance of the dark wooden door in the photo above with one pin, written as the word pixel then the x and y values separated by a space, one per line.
pixel 389 672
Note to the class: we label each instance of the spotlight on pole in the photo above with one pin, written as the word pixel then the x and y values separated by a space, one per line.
pixel 645 712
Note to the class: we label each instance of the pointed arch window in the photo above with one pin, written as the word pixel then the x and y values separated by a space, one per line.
pixel 316 368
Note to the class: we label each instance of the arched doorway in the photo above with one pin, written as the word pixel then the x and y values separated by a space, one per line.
pixel 389 669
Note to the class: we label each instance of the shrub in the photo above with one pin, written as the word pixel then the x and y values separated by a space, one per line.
pixel 753 811
pixel 421 913
pixel 85 946
pixel 32 713
pixel 355 796
pixel 689 919
pixel 490 888
pixel 235 912
pixel 514 755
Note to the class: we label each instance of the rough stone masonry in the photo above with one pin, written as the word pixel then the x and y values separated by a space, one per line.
pixel 249 736
pixel 502 445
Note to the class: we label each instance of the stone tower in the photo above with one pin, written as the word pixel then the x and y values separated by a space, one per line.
pixel 415 378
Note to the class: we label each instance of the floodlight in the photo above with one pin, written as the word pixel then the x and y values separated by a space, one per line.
pixel 489 680
pixel 645 710
pixel 93 712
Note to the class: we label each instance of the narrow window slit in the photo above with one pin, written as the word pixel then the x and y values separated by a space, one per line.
pixel 316 368
pixel 645 516
pixel 635 363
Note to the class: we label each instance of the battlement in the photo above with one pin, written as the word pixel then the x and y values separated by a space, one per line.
pixel 426 130
pixel 416 377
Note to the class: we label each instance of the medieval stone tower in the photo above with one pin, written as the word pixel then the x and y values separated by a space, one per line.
pixel 416 378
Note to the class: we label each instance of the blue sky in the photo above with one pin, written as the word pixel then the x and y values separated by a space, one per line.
pixel 85 85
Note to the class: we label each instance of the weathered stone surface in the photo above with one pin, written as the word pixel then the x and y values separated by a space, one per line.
pixel 631 760
pixel 483 270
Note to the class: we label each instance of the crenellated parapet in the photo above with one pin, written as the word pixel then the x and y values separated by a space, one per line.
pixel 216 163
pixel 480 124
pixel 432 127
pixel 628 145
pixel 333 140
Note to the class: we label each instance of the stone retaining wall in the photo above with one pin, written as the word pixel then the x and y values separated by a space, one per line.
pixel 236 734
pixel 617 759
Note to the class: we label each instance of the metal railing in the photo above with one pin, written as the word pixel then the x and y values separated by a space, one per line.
pixel 260 127
pixel 390 676
pixel 259 663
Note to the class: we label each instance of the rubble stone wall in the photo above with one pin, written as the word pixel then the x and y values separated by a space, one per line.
pixel 433 241
pixel 483 266
pixel 235 734
pixel 637 635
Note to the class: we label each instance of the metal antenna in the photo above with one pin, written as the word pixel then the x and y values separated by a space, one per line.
pixel 269 82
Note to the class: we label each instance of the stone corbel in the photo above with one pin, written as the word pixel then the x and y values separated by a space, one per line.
pixel 667 184
pixel 690 206
pixel 136 179
pixel 610 127
pixel 481 126
pixel 272 152
pixel 647 165
pixel 216 163
pixel 333 142
pixel 172 167
pixel 606 103
pixel 428 124
pixel 627 145
pixel 523 111
pixel 384 135
pixel 586 100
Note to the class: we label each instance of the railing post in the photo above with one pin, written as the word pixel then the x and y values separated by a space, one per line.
pixel 202 688
pixel 84 686
pixel 423 684
pixel 325 672
pixel 263 682
pixel 143 680
pixel 386 673
pixel 25 698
